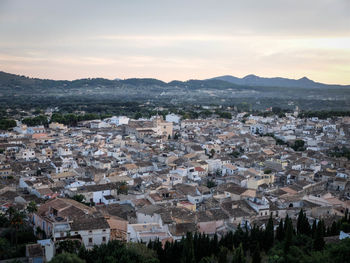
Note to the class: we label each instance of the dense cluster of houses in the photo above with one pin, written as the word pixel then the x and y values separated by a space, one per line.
pixel 138 180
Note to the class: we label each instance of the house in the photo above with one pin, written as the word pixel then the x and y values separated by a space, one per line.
pixel 5 169
pixel 62 219
pixel 229 169
pixel 147 232
pixel 98 194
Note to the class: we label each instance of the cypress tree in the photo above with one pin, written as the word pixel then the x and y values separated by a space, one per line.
pixel 280 231
pixel 214 248
pixel 289 234
pixel 256 255
pixel 188 251
pixel 318 241
pixel 313 229
pixel 300 221
pixel 238 255
pixel 222 257
pixel 334 229
pixel 269 235
pixel 303 226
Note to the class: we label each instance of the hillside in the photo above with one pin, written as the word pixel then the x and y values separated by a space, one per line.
pixel 253 80
pixel 257 92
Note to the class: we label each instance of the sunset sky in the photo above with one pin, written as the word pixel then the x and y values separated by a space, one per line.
pixel 182 39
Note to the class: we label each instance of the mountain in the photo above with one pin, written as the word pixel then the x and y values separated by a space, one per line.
pixel 253 80
pixel 260 93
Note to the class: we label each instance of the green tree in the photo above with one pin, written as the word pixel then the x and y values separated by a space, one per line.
pixel 79 198
pixel 280 231
pixel 289 234
pixel 188 250
pixel 303 226
pixel 318 241
pixel 66 258
pixel 298 145
pixel 256 257
pixel 269 235
pixel 222 258
pixel 31 207
pixel 238 255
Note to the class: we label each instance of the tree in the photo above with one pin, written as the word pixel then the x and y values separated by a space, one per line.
pixel 188 250
pixel 31 207
pixel 122 188
pixel 6 124
pixel 66 258
pixel 4 248
pixel 289 234
pixel 137 116
pixel 79 198
pixel 267 171
pixel 256 258
pixel 318 241
pixel 298 145
pixel 222 258
pixel 238 255
pixel 69 246
pixel 280 231
pixel 211 184
pixel 269 235
pixel 212 153
pixel 16 219
pixel 303 226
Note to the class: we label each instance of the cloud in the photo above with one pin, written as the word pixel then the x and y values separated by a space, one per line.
pixel 176 39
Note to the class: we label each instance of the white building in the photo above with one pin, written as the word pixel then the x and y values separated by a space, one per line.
pixel 118 120
pixel 172 118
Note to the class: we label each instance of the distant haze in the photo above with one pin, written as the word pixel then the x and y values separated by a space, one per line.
pixel 196 39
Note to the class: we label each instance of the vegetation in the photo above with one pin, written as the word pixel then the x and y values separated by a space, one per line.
pixel 66 258
pixel 305 243
pixel 116 251
pixel 122 188
pixel 298 145
pixel 39 120
pixel 324 114
pixel 15 234
pixel 6 124
pixel 340 152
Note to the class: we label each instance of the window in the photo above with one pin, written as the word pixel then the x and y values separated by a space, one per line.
pixel 103 239
pixel 104 230
pixel 90 231
pixel 90 240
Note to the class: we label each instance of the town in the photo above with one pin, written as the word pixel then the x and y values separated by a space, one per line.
pixel 157 179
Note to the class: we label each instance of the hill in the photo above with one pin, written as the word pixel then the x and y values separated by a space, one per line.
pixel 252 91
pixel 253 80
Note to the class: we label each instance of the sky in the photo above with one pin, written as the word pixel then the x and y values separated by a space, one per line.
pixel 182 39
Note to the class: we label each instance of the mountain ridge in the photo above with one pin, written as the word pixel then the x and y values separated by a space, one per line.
pixel 248 81
pixel 253 80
